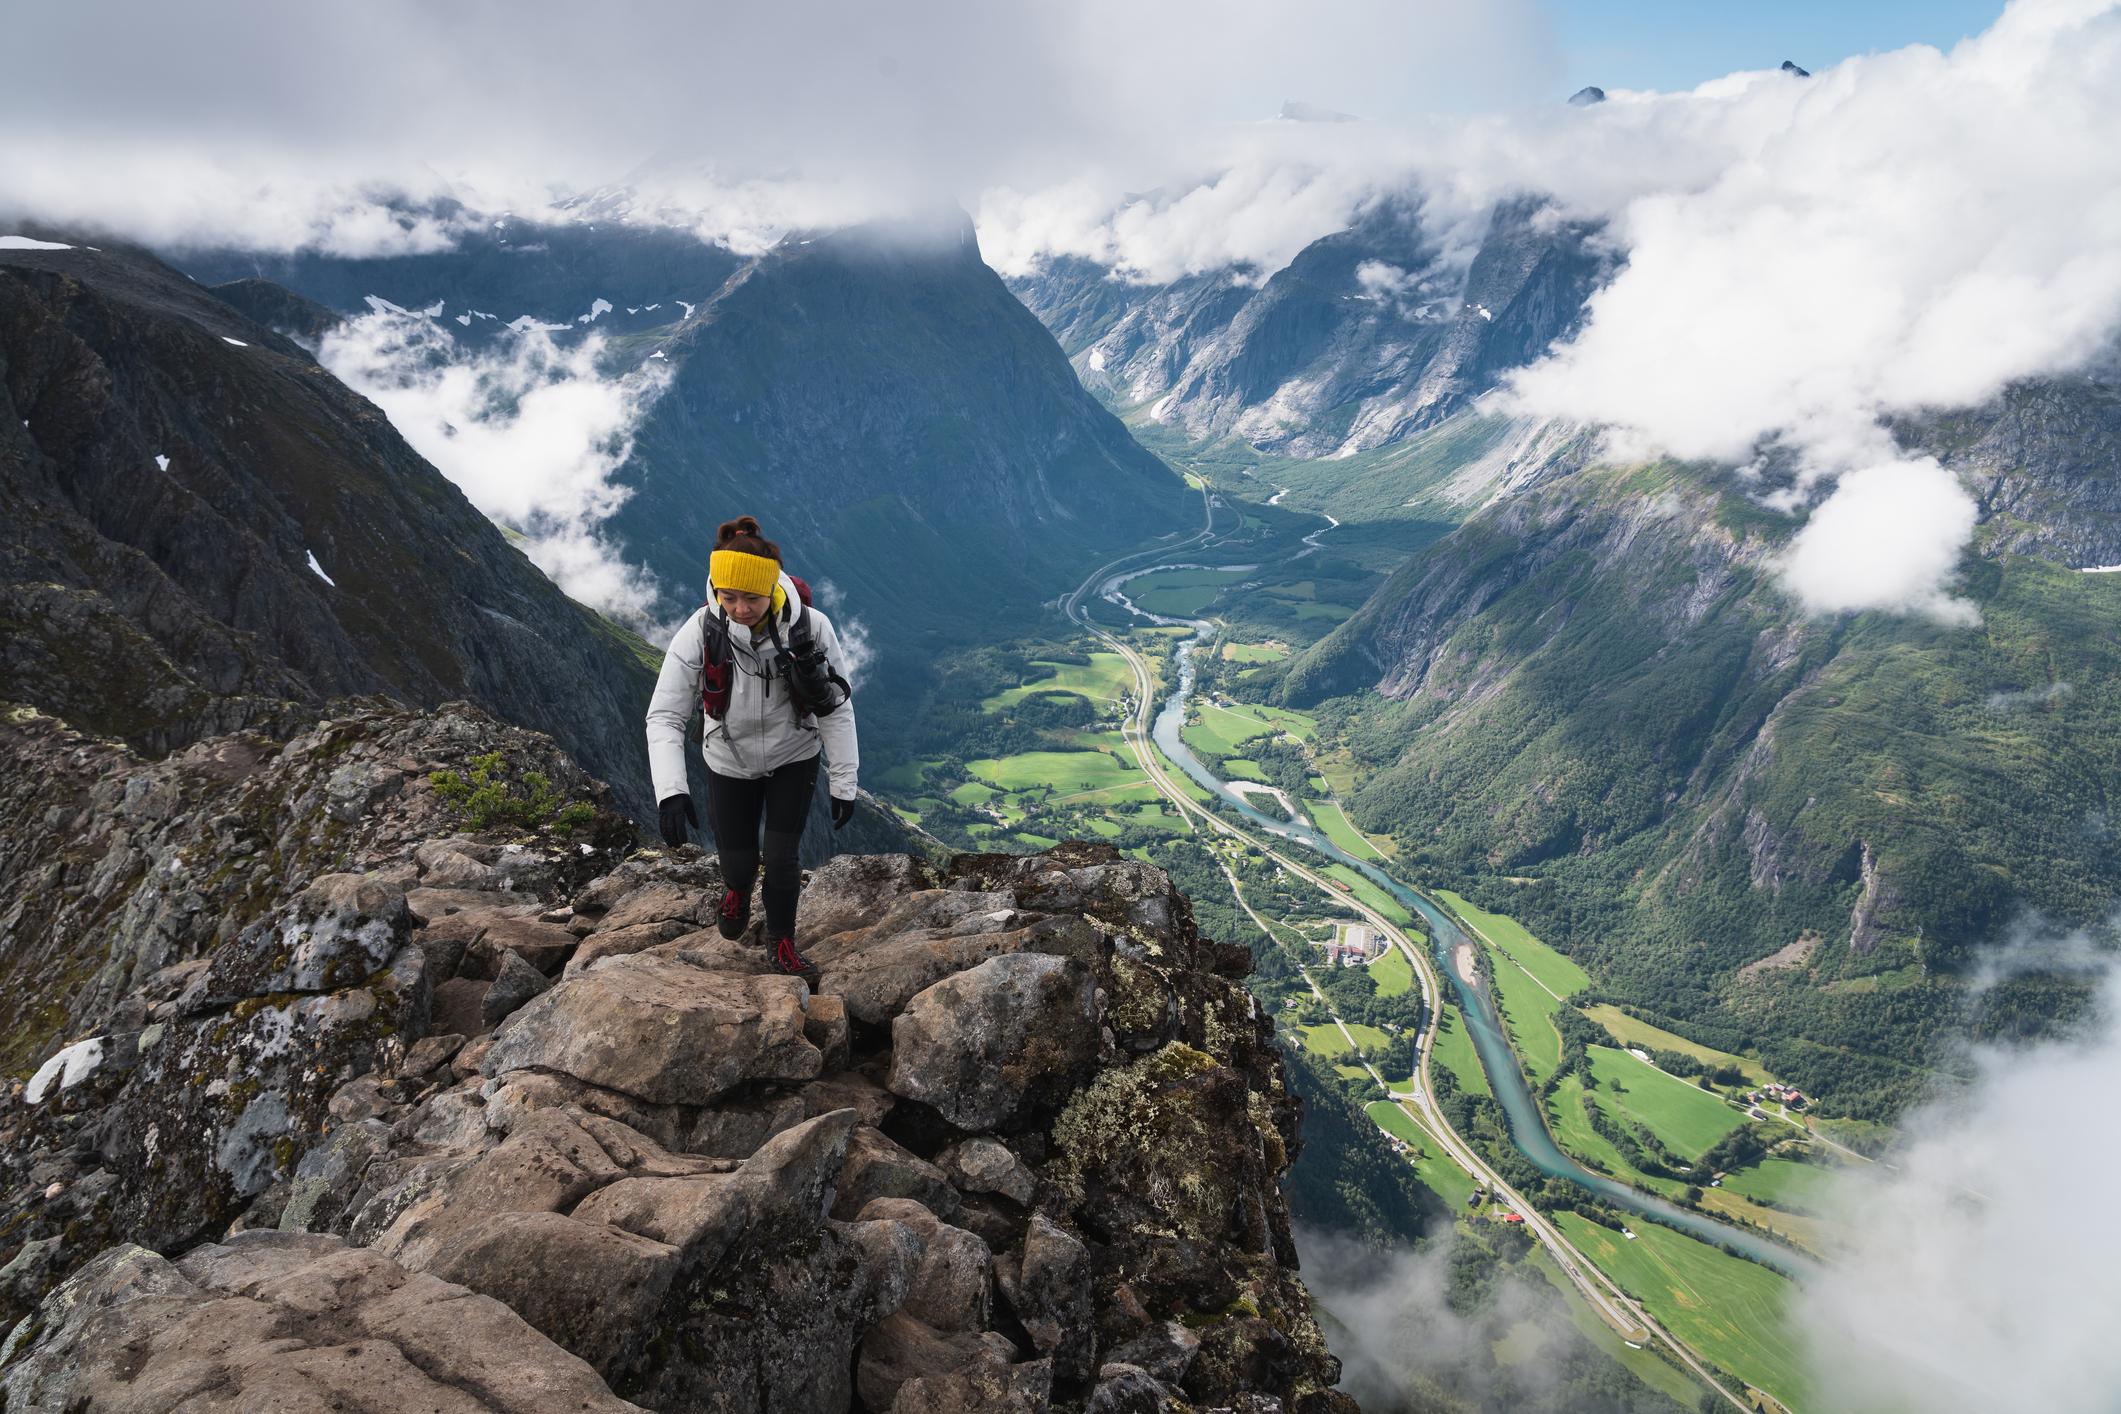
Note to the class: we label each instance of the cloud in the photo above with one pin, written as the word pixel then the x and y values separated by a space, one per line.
pixel 261 120
pixel 1979 1271
pixel 1889 537
pixel 531 430
pixel 856 651
pixel 1905 231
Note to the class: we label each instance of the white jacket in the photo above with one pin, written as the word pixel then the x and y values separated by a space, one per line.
pixel 760 731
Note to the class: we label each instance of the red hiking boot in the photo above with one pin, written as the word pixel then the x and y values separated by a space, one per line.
pixel 790 963
pixel 736 914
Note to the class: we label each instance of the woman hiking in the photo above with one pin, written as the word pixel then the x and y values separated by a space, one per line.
pixel 758 660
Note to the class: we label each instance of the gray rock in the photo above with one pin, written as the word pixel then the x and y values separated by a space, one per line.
pixel 515 983
pixel 279 1321
pixel 1129 1389
pixel 332 935
pixel 1166 1351
pixel 657 1029
pixel 878 1167
pixel 983 1165
pixel 736 1129
pixel 429 1054
pixel 987 1385
pixel 1011 1033
pixel 1049 1289
pixel 902 1349
pixel 954 1287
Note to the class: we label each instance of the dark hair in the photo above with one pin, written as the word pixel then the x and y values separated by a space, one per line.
pixel 742 535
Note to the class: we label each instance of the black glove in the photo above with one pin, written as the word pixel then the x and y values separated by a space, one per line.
pixel 842 812
pixel 673 815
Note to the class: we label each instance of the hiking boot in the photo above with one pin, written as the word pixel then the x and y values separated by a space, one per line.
pixel 736 914
pixel 790 963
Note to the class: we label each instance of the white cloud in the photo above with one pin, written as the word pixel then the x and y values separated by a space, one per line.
pixel 1888 537
pixel 1979 1271
pixel 530 430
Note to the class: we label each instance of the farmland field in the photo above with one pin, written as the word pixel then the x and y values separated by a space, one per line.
pixel 1729 1309
pixel 1392 972
pixel 1063 770
pixel 1454 1052
pixel 1103 679
pixel 1786 1181
pixel 1335 824
pixel 1560 975
pixel 1687 1118
pixel 1527 1011
pixel 1630 1032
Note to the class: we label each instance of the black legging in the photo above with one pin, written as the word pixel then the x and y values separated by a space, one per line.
pixel 735 808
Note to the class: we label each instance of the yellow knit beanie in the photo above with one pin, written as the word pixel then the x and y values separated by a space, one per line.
pixel 749 574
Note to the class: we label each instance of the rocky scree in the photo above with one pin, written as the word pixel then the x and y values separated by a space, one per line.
pixel 1021 1150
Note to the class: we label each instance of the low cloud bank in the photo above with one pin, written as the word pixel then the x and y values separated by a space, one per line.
pixel 529 429
pixel 1983 1265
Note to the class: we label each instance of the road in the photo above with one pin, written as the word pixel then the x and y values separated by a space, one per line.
pixel 1614 1306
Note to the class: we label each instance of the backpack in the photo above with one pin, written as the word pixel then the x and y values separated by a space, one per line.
pixel 799 662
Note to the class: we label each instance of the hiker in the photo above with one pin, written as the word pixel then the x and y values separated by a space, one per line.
pixel 760 662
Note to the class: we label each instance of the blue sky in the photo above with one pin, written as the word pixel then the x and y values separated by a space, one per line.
pixel 1675 44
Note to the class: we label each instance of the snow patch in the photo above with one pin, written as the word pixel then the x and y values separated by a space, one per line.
pixel 2101 569
pixel 161 462
pixel 1483 311
pixel 597 308
pixel 379 305
pixel 658 354
pixel 432 310
pixel 237 342
pixel 688 308
pixel 633 309
pixel 69 1068
pixel 26 243
pixel 1097 360
pixel 318 570
pixel 465 320
pixel 529 322
pixel 657 305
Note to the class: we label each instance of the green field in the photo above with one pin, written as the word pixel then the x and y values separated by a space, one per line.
pixel 1325 1040
pixel 1571 1125
pixel 1181 593
pixel 1454 1052
pixel 1065 771
pixel 1337 829
pixel 1360 887
pixel 1103 679
pixel 1527 1012
pixel 1436 1171
pixel 1727 1308
pixel 1222 732
pixel 1687 1118
pixel 1785 1181
pixel 1254 652
pixel 1649 1366
pixel 1392 972
pixel 1561 976
pixel 1238 768
pixel 1630 1032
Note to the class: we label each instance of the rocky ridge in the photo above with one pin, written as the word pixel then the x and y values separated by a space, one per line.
pixel 382 1112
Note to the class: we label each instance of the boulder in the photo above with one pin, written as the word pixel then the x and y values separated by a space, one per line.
pixel 1008 1035
pixel 1129 1389
pixel 654 1028
pixel 1166 1350
pixel 283 1321
pixel 987 1385
pixel 335 934
pixel 983 1165
pixel 954 1288
pixel 878 1167
pixel 515 982
pixel 902 1349
pixel 1048 1286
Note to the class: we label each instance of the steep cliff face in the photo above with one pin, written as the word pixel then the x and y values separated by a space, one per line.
pixel 206 531
pixel 1599 684
pixel 406 1111
pixel 1368 336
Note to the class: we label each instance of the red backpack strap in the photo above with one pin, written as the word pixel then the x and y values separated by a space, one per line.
pixel 802 590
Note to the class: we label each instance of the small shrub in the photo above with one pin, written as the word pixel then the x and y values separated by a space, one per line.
pixel 483 796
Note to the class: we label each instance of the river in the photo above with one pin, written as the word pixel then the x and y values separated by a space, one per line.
pixel 1528 1130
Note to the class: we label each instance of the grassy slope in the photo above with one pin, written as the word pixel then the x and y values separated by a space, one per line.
pixel 1559 975
pixel 1687 1118
pixel 1629 1031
